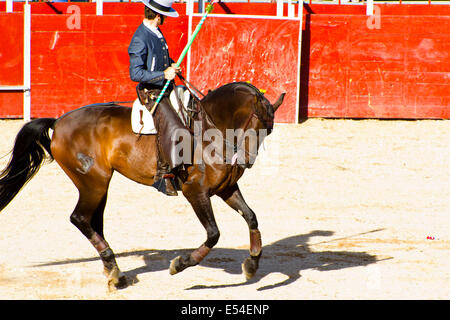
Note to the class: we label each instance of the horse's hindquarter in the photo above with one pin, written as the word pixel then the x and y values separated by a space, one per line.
pixel 100 139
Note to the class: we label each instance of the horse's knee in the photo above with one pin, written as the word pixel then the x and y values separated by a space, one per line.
pixel 213 237
pixel 77 220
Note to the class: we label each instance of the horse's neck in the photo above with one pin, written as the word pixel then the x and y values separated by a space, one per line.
pixel 215 116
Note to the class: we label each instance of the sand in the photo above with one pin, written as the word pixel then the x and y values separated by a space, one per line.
pixel 347 210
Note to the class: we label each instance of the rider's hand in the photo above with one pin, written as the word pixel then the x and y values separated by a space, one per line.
pixel 177 69
pixel 170 73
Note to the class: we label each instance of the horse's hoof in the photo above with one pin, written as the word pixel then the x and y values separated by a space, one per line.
pixel 116 280
pixel 175 266
pixel 249 268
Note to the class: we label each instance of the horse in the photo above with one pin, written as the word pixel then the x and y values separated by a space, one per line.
pixel 91 142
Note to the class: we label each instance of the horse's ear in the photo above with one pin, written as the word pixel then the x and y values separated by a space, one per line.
pixel 278 102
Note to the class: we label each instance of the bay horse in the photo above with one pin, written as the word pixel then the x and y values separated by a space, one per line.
pixel 91 142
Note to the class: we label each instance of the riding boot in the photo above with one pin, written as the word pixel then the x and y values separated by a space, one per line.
pixel 170 185
pixel 164 179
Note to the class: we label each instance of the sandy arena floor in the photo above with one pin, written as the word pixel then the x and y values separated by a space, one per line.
pixel 345 208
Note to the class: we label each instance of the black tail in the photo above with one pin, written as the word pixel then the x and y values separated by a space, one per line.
pixel 27 156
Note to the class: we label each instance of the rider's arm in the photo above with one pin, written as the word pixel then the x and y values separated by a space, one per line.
pixel 139 54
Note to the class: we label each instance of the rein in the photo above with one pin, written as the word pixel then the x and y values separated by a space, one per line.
pixel 195 92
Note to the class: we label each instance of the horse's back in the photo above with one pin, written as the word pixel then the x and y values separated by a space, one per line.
pixel 93 115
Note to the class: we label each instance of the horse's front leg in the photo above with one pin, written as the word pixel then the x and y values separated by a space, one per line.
pixel 201 204
pixel 234 199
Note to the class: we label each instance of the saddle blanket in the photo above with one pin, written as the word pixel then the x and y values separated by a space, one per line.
pixel 141 118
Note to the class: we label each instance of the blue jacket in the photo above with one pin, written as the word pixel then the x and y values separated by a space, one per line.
pixel 149 57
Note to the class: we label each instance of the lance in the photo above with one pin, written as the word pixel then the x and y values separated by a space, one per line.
pixel 209 8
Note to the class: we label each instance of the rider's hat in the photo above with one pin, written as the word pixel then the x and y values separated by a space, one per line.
pixel 163 7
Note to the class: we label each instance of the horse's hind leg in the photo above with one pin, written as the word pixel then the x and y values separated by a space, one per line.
pixel 234 199
pixel 88 218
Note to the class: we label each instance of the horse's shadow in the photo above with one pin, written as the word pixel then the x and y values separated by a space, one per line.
pixel 287 256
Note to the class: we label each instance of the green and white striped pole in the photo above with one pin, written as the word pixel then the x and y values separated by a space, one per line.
pixel 209 8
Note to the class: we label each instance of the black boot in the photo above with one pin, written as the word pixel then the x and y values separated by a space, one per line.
pixel 169 180
pixel 164 180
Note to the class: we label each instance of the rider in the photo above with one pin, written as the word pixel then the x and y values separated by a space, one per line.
pixel 151 66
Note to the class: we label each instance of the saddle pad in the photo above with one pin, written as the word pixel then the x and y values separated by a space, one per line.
pixel 142 120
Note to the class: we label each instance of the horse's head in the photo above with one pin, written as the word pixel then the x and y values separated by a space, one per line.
pixel 264 111
pixel 260 120
pixel 269 110
pixel 244 116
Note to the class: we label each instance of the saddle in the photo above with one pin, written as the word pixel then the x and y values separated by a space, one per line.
pixel 142 120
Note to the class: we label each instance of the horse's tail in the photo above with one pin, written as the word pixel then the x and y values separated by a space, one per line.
pixel 27 156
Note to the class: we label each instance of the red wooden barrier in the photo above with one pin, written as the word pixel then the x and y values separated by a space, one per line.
pixel 11 64
pixel 262 51
pixel 349 68
pixel 392 66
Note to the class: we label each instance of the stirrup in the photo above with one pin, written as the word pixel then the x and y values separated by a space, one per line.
pixel 166 186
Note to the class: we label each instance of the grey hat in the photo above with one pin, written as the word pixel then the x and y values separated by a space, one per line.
pixel 163 7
